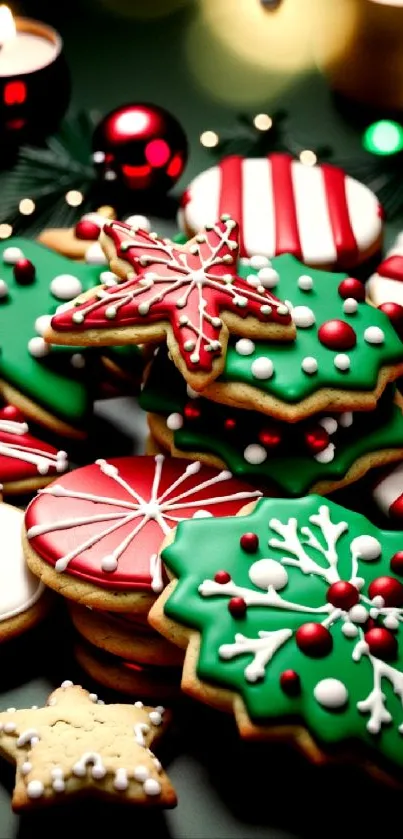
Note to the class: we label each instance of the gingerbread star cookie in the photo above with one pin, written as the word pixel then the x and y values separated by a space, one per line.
pixel 77 745
pixel 190 295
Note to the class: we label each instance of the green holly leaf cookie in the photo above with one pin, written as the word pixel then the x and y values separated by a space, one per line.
pixel 294 614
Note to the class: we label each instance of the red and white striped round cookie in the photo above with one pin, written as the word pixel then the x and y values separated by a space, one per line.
pixel 317 213
pixel 388 493
pixel 386 284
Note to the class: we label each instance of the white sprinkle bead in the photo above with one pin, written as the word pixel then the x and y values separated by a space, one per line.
pixel 262 368
pixel 9 727
pixel 268 277
pixel 331 693
pixel 350 306
pixel 66 684
pixel 152 787
pixel 259 262
pixel 109 563
pixel 253 280
pixel 329 423
pixel 141 774
pixel 38 348
pixel 255 454
pixel 374 335
pixel 66 286
pixel 349 629
pixel 303 317
pixel 202 514
pixel 342 361
pixel 42 323
pixel 138 704
pixel 305 282
pixel 282 309
pixel 366 547
pixel 94 255
pixel 139 222
pixel 309 365
pixel 108 278
pixel 326 455
pixel 245 346
pixel 155 717
pixel 35 789
pixel 77 361
pixel 346 419
pixel 192 394
pixel 358 613
pixel 120 781
pixel 11 255
pixel 26 768
pixel 3 289
pixel 174 421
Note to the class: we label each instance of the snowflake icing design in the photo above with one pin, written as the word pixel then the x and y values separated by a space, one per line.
pixel 191 286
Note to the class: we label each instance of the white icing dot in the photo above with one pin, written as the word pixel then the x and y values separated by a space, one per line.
pixel 255 454
pixel 268 572
pixel 77 361
pixel 38 348
pixel 3 289
pixel 108 278
pixel 268 277
pixel 253 280
pixel 138 704
pixel 331 693
pixel 378 601
pixel 346 419
pixel 42 323
pixel 258 262
pixel 77 317
pixel 391 622
pixel 282 310
pixel 120 781
pixel 329 423
pixel 174 421
pixel 349 630
pixel 350 306
pixel 303 317
pixel 109 563
pixel 11 255
pixel 66 286
pixel 9 727
pixel 35 789
pixel 192 394
pixel 305 282
pixel 262 368
pixel 366 547
pixel 93 697
pixel 152 787
pixel 326 455
pixel 66 684
pixel 202 514
pixel 374 335
pixel 342 361
pixel 358 613
pixel 26 768
pixel 141 774
pixel 245 346
pixel 94 255
pixel 155 717
pixel 58 785
pixel 139 222
pixel 309 364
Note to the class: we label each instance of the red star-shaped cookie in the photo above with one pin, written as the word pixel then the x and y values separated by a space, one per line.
pixel 188 295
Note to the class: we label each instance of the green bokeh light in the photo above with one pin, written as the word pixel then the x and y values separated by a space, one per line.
pixel 383 137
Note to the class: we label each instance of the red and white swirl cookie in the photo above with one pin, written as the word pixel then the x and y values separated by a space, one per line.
pixel 388 494
pixel 26 463
pixel 317 213
pixel 95 534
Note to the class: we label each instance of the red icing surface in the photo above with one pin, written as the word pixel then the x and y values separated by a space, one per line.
pixel 392 268
pixel 335 184
pixel 14 446
pixel 286 223
pixel 231 193
pixel 140 474
pixel 174 292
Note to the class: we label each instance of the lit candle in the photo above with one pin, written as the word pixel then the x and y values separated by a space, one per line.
pixel 23 52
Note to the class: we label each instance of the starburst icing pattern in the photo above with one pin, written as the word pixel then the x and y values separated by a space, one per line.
pixel 138 513
pixel 23 456
pixel 193 288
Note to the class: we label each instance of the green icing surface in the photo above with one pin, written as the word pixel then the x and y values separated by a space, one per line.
pixel 291 466
pixel 203 547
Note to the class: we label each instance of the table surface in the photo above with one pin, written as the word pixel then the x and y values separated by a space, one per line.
pixel 227 789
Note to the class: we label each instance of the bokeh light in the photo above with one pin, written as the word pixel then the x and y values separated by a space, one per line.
pixel 384 137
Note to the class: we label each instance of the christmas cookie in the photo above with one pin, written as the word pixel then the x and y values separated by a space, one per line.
pixel 385 286
pixel 318 454
pixel 291 619
pixel 317 213
pixel 388 494
pixel 23 601
pixel 26 463
pixel 134 679
pixel 81 242
pixel 344 353
pixel 95 533
pixel 189 296
pixel 76 745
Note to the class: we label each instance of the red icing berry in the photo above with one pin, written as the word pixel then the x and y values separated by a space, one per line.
pixel 86 229
pixel 24 271
pixel 314 640
pixel 290 682
pixel 337 335
pixel 396 563
pixel 389 588
pixel 352 288
pixel 222 577
pixel 249 542
pixel 396 510
pixel 316 439
pixel 381 642
pixel 10 412
pixel 237 607
pixel 343 595
pixel 395 314
pixel 230 424
pixel 270 436
pixel 191 411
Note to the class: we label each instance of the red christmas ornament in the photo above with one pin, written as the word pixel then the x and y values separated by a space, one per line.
pixel 249 542
pixel 141 145
pixel 269 436
pixel 191 411
pixel 237 607
pixel 230 424
pixel 314 640
pixel 222 577
pixel 396 563
pixel 352 288
pixel 316 439
pixel 24 271
pixel 337 335
pixel 86 229
pixel 381 642
pixel 395 314
pixel 343 595
pixel 290 682
pixel 389 588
